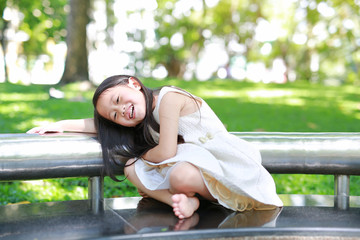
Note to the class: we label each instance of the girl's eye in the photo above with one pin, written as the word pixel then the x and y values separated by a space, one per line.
pixel 115 114
pixel 117 100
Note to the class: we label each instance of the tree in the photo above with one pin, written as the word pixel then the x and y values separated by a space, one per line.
pixel 76 63
pixel 3 41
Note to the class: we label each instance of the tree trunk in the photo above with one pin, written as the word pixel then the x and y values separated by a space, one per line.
pixel 3 41
pixel 4 47
pixel 76 63
pixel 173 67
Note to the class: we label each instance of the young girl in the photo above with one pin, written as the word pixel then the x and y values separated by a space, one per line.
pixel 178 149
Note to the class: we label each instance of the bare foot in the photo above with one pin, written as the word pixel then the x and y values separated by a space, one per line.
pixel 184 206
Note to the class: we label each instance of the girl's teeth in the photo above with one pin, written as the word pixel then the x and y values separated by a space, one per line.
pixel 132 112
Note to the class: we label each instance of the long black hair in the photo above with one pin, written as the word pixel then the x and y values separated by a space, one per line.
pixel 119 143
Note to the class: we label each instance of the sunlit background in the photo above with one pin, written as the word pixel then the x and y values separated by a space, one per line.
pixel 261 41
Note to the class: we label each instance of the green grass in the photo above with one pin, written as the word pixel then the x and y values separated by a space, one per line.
pixel 59 190
pixel 242 106
pixel 22 107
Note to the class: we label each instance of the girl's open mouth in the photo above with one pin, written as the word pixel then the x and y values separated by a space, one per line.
pixel 132 111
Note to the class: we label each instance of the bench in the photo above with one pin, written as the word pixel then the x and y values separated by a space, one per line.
pixel 31 157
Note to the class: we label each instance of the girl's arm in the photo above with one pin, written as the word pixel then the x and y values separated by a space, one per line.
pixel 172 106
pixel 70 125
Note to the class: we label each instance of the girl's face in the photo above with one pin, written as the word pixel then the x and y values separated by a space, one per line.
pixel 123 104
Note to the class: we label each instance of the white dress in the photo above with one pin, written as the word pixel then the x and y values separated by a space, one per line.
pixel 230 166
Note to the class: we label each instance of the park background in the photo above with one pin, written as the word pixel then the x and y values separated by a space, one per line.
pixel 271 65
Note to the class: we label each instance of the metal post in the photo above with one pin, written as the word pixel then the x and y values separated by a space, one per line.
pixel 342 190
pixel 96 194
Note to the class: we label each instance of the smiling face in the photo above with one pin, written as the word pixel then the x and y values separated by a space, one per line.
pixel 123 104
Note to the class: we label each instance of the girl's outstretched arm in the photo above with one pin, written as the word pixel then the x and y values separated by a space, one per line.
pixel 172 106
pixel 71 125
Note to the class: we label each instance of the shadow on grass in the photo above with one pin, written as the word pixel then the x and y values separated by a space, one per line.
pixel 43 190
pixel 11 192
pixel 23 107
pixel 249 116
pixel 19 116
pixel 23 89
pixel 63 189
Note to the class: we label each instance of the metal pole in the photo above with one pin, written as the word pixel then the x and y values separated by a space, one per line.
pixel 96 194
pixel 342 190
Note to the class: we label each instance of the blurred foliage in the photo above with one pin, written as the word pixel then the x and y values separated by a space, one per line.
pixel 315 39
pixel 43 22
pixel 329 31
pixel 242 106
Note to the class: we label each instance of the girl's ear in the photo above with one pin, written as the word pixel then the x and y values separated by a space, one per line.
pixel 133 83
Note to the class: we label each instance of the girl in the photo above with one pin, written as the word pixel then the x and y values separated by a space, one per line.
pixel 178 149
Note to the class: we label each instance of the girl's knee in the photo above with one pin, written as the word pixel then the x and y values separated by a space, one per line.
pixel 180 172
pixel 183 177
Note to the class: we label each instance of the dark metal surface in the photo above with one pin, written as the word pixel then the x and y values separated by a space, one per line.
pixel 132 218
pixel 25 156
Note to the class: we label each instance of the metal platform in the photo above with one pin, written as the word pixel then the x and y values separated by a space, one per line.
pixel 135 218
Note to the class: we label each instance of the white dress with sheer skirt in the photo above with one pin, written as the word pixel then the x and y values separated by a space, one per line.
pixel 230 166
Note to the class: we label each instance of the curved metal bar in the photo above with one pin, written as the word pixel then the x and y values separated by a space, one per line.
pixel 309 153
pixel 25 156
pixel 28 156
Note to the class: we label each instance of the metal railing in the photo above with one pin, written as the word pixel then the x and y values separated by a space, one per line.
pixel 25 157
pixel 31 157
pixel 333 153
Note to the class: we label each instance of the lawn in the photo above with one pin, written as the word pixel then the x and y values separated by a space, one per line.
pixel 242 106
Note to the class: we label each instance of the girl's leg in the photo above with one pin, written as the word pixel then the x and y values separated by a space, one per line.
pixel 186 178
pixel 160 195
pixel 185 181
pixel 164 195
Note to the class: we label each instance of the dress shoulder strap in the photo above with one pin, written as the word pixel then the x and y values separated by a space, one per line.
pixel 162 93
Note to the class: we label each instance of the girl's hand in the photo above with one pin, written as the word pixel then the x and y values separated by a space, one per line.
pixel 70 125
pixel 49 128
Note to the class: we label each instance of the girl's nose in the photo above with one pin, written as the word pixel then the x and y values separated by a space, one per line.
pixel 123 110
